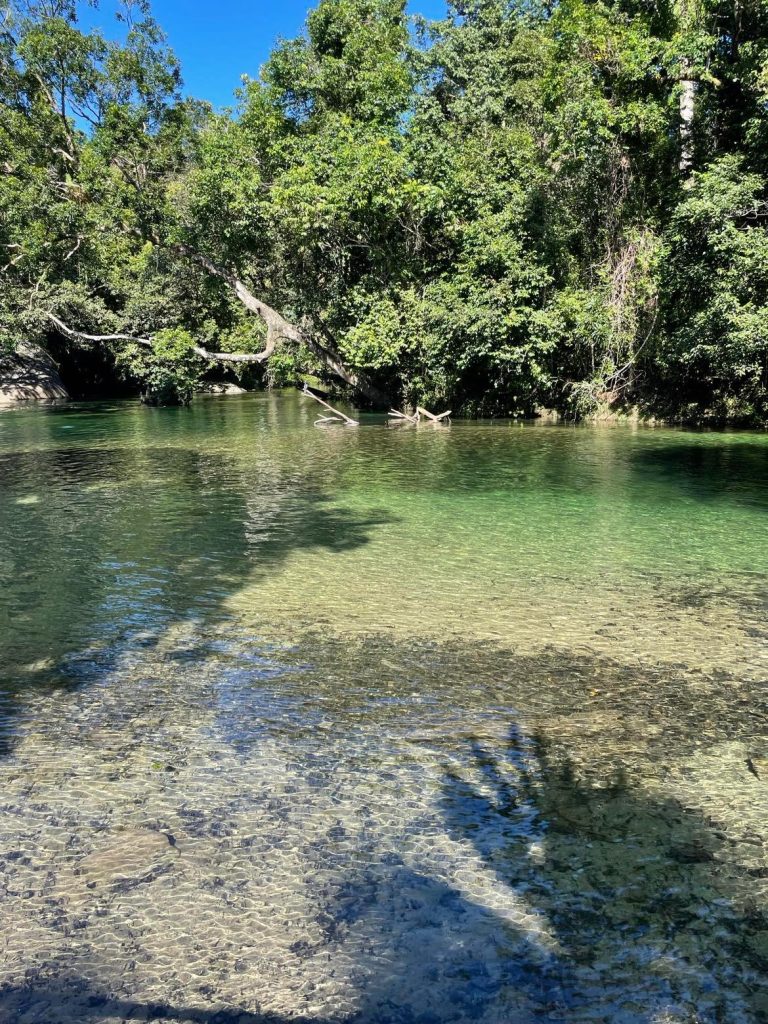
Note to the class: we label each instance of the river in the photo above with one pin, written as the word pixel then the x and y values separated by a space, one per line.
pixel 380 724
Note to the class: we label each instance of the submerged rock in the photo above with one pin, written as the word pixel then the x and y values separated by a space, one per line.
pixel 29 373
pixel 126 859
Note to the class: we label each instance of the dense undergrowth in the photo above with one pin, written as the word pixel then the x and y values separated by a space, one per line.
pixel 557 204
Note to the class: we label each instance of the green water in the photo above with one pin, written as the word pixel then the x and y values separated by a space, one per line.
pixel 380 723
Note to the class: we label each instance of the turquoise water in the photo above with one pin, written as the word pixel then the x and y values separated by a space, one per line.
pixel 380 723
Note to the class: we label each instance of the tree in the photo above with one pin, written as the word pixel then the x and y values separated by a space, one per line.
pixel 554 202
pixel 114 198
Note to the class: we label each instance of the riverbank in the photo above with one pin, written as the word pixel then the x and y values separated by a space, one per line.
pixel 29 374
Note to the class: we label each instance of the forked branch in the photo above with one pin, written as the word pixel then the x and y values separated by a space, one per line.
pixel 281 328
pixel 431 417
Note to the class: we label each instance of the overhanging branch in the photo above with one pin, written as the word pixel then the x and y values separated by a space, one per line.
pixel 204 353
pixel 282 328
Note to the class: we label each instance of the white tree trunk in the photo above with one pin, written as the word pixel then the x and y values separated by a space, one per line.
pixel 688 88
pixel 278 327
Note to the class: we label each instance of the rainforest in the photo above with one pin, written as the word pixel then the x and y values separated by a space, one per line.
pixel 523 207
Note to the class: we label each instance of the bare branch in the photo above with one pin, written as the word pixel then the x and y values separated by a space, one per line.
pixel 281 328
pixel 74 248
pixel 403 417
pixel 60 112
pixel 204 353
pixel 270 316
pixel 70 332
pixel 430 416
pixel 337 413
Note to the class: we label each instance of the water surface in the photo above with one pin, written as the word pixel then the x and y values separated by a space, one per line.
pixel 380 724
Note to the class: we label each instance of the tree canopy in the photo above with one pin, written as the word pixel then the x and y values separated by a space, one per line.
pixel 559 203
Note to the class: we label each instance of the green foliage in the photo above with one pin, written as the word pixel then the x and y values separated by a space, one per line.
pixel 286 369
pixel 169 371
pixel 716 288
pixel 486 212
pixel 349 63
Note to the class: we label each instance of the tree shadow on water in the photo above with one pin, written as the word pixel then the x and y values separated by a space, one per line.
pixel 546 884
pixel 74 1000
pixel 636 890
pixel 106 549
pixel 586 901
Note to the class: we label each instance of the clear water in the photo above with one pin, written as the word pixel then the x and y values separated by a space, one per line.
pixel 380 724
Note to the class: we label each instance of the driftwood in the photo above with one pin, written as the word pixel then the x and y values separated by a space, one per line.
pixel 431 417
pixel 399 417
pixel 337 417
pixel 402 417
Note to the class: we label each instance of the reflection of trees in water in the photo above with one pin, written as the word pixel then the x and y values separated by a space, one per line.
pixel 717 467
pixel 110 547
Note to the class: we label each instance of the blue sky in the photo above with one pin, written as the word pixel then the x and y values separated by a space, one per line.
pixel 217 41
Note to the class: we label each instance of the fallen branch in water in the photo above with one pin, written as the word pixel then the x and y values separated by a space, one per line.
pixel 431 417
pixel 403 416
pixel 338 416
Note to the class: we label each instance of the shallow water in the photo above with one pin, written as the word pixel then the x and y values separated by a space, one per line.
pixel 380 724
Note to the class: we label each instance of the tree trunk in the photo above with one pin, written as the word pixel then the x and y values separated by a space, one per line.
pixel 688 16
pixel 688 88
pixel 278 327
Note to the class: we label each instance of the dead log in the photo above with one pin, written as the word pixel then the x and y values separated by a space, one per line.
pixel 322 420
pixel 403 416
pixel 431 417
pixel 338 415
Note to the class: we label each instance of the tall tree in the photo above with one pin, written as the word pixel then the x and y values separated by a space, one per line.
pixel 526 203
